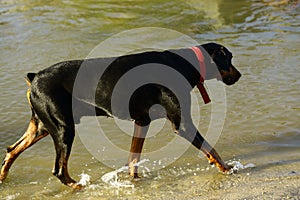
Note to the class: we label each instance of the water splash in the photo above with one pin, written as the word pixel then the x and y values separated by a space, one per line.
pixel 236 166
pixel 12 197
pixel 84 180
pixel 112 178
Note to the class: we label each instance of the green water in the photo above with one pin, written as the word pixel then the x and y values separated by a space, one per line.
pixel 262 120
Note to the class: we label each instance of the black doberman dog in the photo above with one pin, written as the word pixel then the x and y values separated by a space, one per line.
pixel 57 105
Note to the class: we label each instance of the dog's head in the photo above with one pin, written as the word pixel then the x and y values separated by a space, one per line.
pixel 222 57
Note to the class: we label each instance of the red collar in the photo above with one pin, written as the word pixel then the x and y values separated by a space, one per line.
pixel 202 65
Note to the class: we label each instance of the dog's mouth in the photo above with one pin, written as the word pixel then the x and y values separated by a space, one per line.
pixel 229 81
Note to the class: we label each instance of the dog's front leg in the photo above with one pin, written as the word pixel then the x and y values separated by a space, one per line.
pixel 213 157
pixel 137 143
pixel 193 136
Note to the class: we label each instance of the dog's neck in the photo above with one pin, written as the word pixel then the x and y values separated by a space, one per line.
pixel 202 66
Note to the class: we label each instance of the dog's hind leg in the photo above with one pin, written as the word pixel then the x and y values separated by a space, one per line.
pixel 34 133
pixel 137 143
pixel 53 105
pixel 63 140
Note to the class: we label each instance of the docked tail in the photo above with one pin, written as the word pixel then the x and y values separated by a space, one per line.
pixel 29 78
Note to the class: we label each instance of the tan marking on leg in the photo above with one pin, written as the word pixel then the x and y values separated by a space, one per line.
pixel 136 149
pixel 133 168
pixel 214 158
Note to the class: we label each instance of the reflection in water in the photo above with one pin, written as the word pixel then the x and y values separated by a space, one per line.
pixel 262 122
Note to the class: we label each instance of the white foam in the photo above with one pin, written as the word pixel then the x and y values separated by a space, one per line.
pixel 12 197
pixel 236 166
pixel 84 180
pixel 112 178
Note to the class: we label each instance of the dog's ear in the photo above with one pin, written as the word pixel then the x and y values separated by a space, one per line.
pixel 211 48
pixel 219 55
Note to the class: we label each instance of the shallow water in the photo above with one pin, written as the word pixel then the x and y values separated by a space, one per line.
pixel 262 119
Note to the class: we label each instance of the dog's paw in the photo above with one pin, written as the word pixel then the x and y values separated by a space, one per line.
pixel 76 186
pixel 3 176
pixel 232 170
pixel 136 176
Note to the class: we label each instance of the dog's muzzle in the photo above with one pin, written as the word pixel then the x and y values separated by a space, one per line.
pixel 231 77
